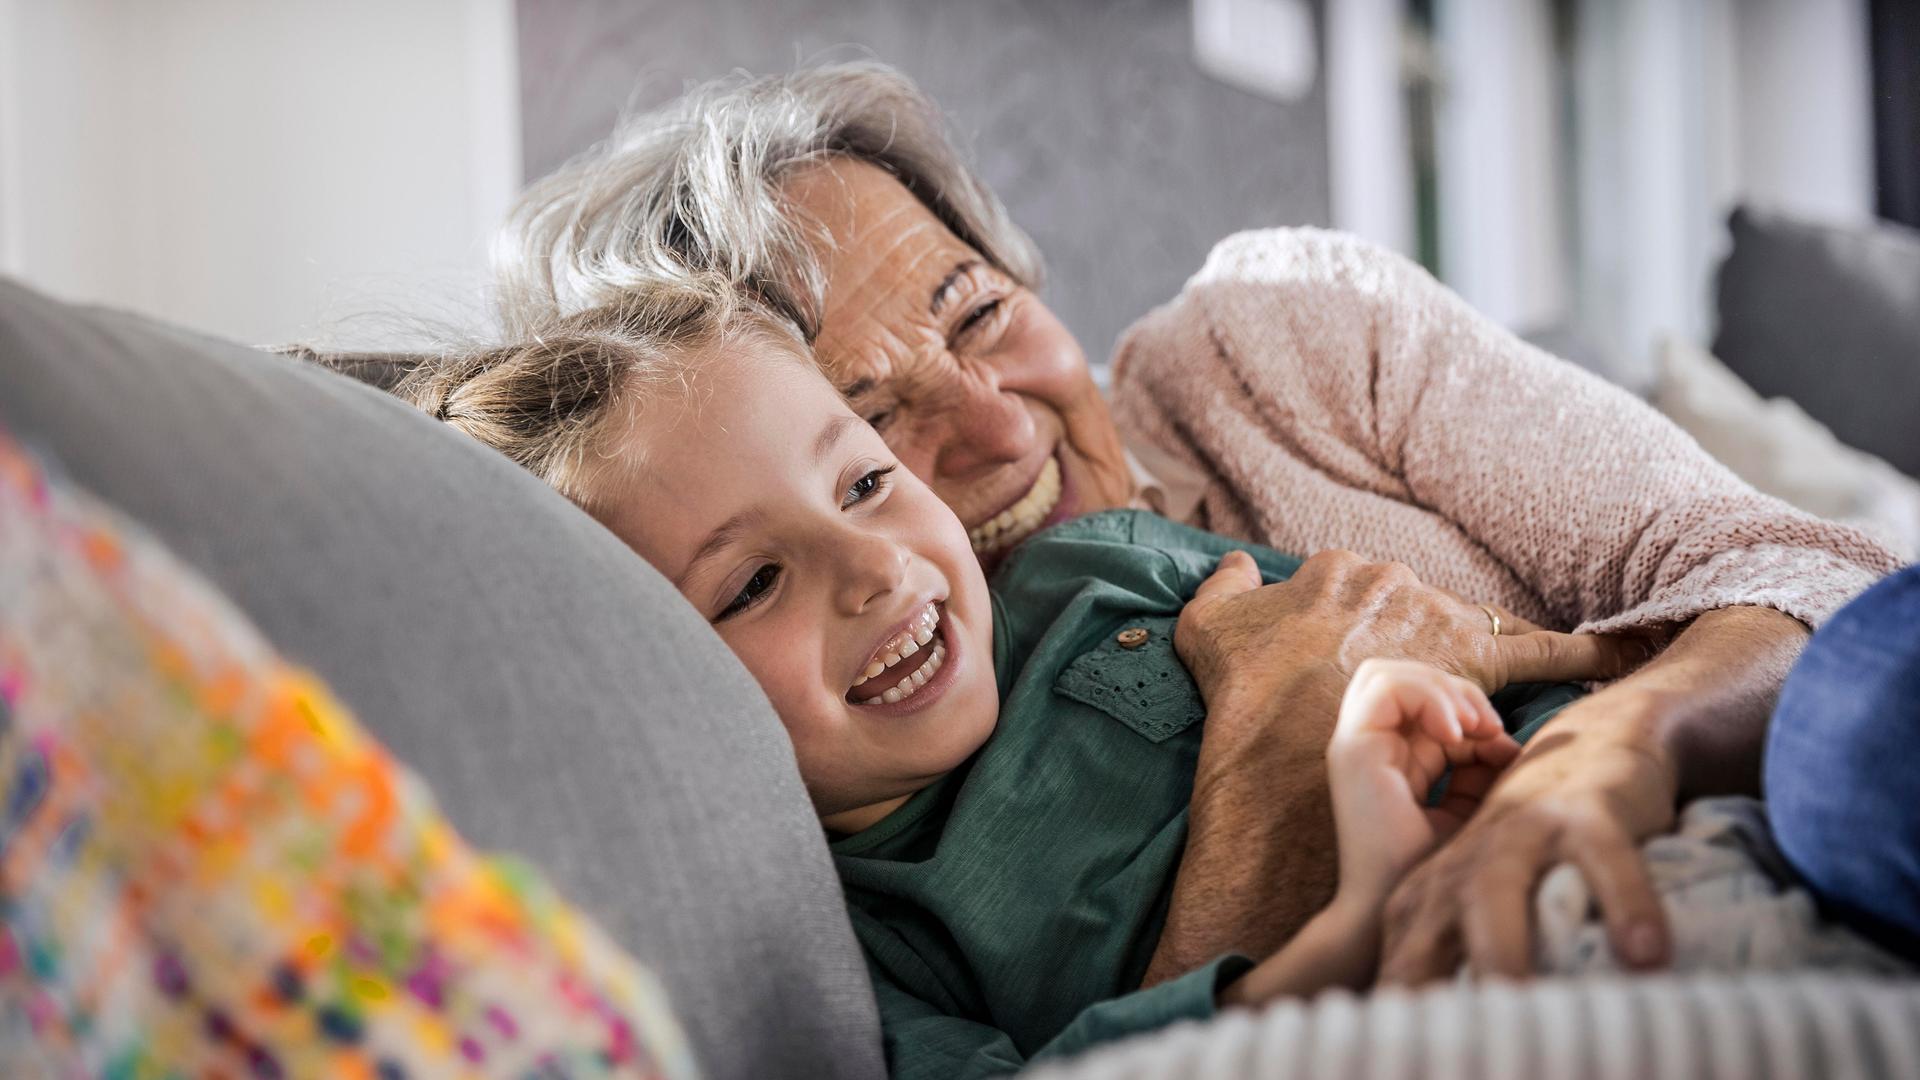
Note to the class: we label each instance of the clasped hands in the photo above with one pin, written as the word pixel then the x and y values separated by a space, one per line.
pixel 1410 666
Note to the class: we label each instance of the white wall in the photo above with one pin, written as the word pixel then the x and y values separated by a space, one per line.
pixel 1804 83
pixel 1652 175
pixel 1602 224
pixel 1497 129
pixel 261 171
pixel 1686 110
pixel 1370 173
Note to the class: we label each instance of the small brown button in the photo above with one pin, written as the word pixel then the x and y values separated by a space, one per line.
pixel 1131 638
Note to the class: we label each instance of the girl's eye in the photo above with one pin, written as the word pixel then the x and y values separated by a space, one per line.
pixel 866 487
pixel 756 587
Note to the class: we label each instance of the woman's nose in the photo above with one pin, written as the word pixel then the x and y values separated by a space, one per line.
pixel 984 427
pixel 871 568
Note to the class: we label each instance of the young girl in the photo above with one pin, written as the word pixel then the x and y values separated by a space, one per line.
pixel 1004 774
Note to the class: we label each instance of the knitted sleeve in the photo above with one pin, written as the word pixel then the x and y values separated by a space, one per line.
pixel 1340 396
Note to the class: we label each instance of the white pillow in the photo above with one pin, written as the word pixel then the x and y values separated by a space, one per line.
pixel 1775 446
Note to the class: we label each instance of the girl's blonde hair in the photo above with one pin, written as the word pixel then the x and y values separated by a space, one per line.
pixel 546 401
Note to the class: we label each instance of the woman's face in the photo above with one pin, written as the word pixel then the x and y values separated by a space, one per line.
pixel 971 381
pixel 841 582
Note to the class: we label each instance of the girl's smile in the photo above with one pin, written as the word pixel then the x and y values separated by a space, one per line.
pixel 911 669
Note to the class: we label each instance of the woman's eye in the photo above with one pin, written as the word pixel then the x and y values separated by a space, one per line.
pixel 866 487
pixel 976 317
pixel 749 594
pixel 878 421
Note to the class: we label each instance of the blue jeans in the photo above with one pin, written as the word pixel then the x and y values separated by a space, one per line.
pixel 1842 769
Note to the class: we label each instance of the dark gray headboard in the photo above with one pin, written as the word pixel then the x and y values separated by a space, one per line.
pixel 1829 316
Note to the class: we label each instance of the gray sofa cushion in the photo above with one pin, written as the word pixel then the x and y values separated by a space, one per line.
pixel 560 699
pixel 1828 316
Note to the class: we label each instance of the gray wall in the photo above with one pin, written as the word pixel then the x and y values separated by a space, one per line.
pixel 1088 117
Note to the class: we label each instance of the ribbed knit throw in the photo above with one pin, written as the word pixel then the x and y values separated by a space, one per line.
pixel 1336 396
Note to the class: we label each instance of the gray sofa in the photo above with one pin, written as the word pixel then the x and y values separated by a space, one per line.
pixel 565 705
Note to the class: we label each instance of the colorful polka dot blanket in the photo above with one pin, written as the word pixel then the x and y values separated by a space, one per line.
pixel 208 869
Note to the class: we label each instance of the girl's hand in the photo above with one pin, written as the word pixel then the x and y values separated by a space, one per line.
pixel 1401 724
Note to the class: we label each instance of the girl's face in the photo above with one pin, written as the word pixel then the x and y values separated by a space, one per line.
pixel 841 582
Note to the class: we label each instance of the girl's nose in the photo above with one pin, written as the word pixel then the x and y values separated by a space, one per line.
pixel 872 566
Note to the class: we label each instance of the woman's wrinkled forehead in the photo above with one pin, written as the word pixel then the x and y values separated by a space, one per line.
pixel 892 262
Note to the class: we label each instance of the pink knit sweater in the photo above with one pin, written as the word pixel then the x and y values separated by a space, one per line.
pixel 1335 395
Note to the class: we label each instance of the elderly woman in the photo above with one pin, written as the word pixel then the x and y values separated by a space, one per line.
pixel 1304 391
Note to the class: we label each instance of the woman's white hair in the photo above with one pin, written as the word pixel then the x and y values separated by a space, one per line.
pixel 694 188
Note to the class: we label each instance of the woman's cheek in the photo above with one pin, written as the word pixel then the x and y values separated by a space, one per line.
pixel 1062 380
pixel 1085 421
pixel 1054 367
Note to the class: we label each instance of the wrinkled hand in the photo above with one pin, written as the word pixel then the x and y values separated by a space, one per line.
pixel 1584 791
pixel 1245 641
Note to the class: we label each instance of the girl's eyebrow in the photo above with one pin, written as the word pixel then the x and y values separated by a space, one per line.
pixel 717 541
pixel 831 434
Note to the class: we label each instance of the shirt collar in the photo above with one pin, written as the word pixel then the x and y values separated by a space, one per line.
pixel 1166 485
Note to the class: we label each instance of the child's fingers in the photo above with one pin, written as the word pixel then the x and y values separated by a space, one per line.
pixel 1426 760
pixel 1496 749
pixel 1439 720
pixel 1435 707
pixel 1396 697
pixel 1478 717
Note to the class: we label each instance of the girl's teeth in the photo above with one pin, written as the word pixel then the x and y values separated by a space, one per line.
pixel 911 641
pixel 918 679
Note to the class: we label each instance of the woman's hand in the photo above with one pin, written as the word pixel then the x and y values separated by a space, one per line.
pixel 1605 775
pixel 1402 725
pixel 1244 641
pixel 1581 793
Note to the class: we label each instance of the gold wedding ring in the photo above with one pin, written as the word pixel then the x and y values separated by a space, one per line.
pixel 1494 616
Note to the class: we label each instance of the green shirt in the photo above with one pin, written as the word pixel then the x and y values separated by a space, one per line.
pixel 1008 911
